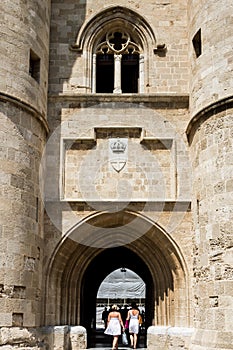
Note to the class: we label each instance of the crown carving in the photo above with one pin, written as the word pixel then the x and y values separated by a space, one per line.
pixel 118 146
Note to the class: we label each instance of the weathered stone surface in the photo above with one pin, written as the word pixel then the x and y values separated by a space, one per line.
pixel 166 197
pixel 58 337
pixel 78 338
pixel 19 336
pixel 162 338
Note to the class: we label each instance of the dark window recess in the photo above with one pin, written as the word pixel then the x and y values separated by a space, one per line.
pixel 34 66
pixel 129 73
pixel 37 209
pixel 17 320
pixel 197 43
pixel 104 73
pixel 19 292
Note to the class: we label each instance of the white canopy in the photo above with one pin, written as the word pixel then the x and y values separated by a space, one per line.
pixel 122 284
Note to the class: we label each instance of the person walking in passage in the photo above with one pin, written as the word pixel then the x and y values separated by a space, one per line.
pixel 114 326
pixel 105 317
pixel 133 318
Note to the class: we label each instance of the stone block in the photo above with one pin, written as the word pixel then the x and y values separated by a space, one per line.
pixel 78 338
pixel 17 335
pixel 5 319
pixel 60 337
pixel 165 338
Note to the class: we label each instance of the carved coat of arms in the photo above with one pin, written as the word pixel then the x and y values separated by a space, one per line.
pixel 118 151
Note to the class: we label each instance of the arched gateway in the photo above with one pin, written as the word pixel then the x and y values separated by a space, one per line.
pixel 76 270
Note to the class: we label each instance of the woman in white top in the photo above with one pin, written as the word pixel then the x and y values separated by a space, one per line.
pixel 133 317
pixel 114 326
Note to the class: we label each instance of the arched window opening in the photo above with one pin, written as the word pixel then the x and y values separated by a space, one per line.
pixel 117 31
pixel 116 64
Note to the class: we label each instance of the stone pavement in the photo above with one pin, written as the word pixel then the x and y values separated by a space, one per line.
pixel 102 341
pixel 105 347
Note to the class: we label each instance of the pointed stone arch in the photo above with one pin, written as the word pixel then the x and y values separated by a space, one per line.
pixel 98 25
pixel 95 26
pixel 68 280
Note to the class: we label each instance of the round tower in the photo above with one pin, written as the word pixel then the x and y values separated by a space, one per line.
pixel 23 99
pixel 210 136
pixel 211 53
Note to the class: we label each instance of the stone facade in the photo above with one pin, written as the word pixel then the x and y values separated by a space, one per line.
pixel 98 173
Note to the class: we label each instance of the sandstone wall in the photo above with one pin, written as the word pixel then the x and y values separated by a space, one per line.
pixel 80 169
pixel 81 182
pixel 23 96
pixel 22 139
pixel 211 153
pixel 210 137
pixel 60 337
pixel 211 72
pixel 24 28
pixel 166 73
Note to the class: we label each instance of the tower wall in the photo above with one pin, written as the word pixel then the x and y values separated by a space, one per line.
pixel 211 153
pixel 211 72
pixel 25 35
pixel 23 100
pixel 22 141
pixel 210 137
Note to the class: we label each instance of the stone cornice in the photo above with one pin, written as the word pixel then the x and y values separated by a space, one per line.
pixel 27 107
pixel 159 100
pixel 177 205
pixel 205 113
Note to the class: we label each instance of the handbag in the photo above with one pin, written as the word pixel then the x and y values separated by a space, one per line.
pixel 124 339
pixel 126 324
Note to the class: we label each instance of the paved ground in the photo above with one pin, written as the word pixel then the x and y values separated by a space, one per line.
pixel 104 347
pixel 101 341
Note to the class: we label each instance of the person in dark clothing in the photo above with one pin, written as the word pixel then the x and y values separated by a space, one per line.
pixel 124 313
pixel 105 317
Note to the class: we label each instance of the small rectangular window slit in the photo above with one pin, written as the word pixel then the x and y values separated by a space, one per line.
pixel 197 43
pixel 34 66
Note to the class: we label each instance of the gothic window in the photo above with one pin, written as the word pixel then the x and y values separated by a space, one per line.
pixel 116 64
pixel 115 45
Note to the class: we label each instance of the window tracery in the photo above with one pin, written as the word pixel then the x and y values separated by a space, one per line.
pixel 117 42
pixel 135 64
pixel 116 63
